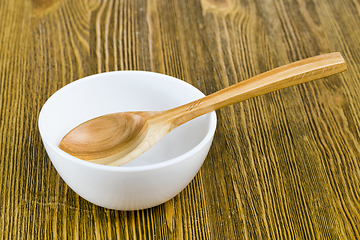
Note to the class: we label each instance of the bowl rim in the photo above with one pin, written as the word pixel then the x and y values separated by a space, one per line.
pixel 208 137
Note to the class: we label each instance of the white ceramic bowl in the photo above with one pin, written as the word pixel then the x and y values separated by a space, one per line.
pixel 154 177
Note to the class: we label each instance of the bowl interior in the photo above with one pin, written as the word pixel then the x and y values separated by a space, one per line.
pixel 126 91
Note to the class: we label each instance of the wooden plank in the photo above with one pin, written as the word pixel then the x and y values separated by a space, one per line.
pixel 282 166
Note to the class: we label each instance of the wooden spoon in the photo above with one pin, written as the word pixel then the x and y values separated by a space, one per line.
pixel 118 138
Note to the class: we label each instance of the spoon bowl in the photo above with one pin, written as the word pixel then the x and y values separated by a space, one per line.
pixel 107 142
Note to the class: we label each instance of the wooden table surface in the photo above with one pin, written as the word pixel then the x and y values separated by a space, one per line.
pixel 285 165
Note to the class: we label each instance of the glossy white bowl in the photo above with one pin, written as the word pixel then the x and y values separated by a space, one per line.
pixel 154 177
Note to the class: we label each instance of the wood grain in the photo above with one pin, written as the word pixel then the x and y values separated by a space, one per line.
pixel 282 166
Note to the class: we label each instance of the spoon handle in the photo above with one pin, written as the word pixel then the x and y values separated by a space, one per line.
pixel 286 76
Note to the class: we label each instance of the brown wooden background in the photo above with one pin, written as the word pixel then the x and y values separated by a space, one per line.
pixel 282 166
